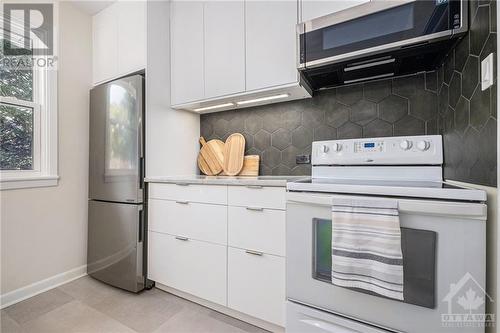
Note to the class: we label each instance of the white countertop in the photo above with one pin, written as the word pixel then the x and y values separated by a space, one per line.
pixel 278 181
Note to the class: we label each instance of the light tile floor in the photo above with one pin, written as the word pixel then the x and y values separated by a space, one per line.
pixel 89 306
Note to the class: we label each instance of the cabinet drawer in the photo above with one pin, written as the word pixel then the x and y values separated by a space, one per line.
pixel 257 229
pixel 256 285
pixel 195 267
pixel 204 222
pixel 257 196
pixel 216 194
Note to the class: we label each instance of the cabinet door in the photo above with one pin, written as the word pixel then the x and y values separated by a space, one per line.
pixel 105 45
pixel 257 229
pixel 315 8
pixel 256 285
pixel 131 36
pixel 257 196
pixel 195 267
pixel 270 43
pixel 224 48
pixel 199 221
pixel 186 51
pixel 212 194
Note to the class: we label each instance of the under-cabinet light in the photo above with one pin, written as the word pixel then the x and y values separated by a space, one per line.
pixel 262 99
pixel 218 106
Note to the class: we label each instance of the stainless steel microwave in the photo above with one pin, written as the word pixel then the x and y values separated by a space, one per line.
pixel 377 39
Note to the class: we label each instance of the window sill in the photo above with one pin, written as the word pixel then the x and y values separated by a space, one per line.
pixel 28 182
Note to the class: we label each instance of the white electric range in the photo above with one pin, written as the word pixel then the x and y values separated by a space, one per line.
pixel 443 239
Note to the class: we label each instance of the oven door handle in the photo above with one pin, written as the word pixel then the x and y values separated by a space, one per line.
pixel 341 326
pixel 327 326
pixel 476 211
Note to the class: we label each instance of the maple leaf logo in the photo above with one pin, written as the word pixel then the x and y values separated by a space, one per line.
pixel 470 301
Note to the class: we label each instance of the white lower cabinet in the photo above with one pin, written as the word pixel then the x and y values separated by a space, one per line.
pixel 210 194
pixel 257 196
pixel 224 244
pixel 193 220
pixel 256 285
pixel 258 229
pixel 195 267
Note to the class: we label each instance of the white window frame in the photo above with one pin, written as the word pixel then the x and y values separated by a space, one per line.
pixel 44 105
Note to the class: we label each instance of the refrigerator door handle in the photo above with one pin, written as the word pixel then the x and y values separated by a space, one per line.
pixel 140 131
pixel 141 225
pixel 141 155
pixel 141 173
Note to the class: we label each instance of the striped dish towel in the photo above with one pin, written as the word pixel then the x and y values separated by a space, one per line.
pixel 366 246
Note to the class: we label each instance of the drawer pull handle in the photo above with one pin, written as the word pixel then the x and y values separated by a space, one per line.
pixel 181 238
pixel 255 253
pixel 181 184
pixel 255 209
pixel 255 187
pixel 182 202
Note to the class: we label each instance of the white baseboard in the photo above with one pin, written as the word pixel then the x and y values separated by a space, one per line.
pixel 39 287
pixel 223 309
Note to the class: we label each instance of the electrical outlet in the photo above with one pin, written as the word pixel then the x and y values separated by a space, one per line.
pixel 303 159
pixel 487 72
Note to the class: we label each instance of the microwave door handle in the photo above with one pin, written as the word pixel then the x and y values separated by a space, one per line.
pixel 376 62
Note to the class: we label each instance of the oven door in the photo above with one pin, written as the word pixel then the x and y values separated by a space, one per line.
pixel 459 248
pixel 378 26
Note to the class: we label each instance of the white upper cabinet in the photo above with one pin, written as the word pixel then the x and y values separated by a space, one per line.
pixel 315 8
pixel 224 47
pixel 105 46
pixel 270 43
pixel 228 52
pixel 131 36
pixel 119 40
pixel 187 70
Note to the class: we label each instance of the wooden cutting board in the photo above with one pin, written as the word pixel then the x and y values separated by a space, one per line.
pixel 234 152
pixel 211 157
pixel 250 166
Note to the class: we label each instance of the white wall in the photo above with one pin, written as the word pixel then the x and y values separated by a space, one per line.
pixel 44 230
pixel 171 135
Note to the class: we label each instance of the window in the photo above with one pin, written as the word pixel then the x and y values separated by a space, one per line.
pixel 28 114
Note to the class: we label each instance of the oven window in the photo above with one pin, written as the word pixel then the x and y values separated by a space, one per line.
pixel 387 22
pixel 419 261
pixel 323 250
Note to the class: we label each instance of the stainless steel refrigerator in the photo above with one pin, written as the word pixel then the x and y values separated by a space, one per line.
pixel 116 207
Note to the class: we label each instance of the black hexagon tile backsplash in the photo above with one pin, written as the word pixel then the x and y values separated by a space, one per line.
pixel 467 115
pixel 448 101
pixel 280 132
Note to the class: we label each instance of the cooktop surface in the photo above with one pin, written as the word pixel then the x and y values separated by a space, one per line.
pixel 422 189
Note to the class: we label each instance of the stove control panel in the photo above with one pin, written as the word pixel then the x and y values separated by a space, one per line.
pixel 368 146
pixel 408 150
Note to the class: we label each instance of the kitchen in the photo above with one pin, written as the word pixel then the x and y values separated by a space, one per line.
pixel 239 253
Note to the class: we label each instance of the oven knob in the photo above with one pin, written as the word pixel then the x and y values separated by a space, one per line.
pixel 423 145
pixel 337 147
pixel 324 149
pixel 405 144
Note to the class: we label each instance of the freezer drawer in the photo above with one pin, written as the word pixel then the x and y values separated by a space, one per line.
pixel 115 244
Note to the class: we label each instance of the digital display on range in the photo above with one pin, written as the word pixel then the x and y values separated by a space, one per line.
pixel 369 145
